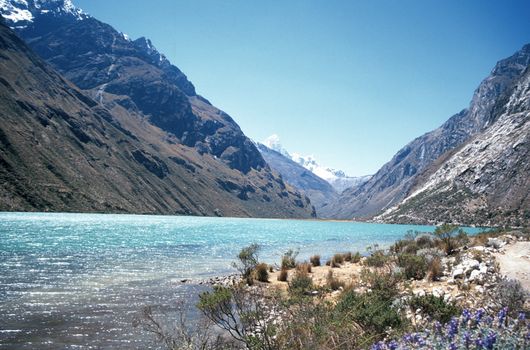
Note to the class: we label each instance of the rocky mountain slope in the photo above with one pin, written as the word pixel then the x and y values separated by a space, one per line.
pixel 485 181
pixel 395 180
pixel 144 143
pixel 319 191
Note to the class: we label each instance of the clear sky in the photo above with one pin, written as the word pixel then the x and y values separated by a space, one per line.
pixel 349 82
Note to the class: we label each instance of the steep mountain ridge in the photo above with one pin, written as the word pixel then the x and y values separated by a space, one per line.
pixel 393 182
pixel 187 158
pixel 96 57
pixel 485 181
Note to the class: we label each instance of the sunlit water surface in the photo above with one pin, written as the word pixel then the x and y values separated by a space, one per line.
pixel 78 280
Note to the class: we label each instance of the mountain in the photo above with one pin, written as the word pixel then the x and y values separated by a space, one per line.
pixel 319 191
pixel 485 181
pixel 396 179
pixel 336 178
pixel 130 136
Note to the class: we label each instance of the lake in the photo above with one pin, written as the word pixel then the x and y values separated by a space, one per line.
pixel 78 280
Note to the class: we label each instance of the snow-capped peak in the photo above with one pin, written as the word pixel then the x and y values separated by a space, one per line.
pixel 273 142
pixel 19 13
pixel 337 178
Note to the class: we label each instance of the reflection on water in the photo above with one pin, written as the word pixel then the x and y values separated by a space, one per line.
pixel 78 280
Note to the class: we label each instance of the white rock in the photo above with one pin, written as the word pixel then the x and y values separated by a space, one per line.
pixel 458 273
pixel 475 275
pixel 438 292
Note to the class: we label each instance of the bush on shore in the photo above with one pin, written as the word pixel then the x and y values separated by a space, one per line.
pixel 315 260
pixel 332 282
pixel 289 259
pixel 262 272
pixel 282 276
pixel 414 266
pixel 247 262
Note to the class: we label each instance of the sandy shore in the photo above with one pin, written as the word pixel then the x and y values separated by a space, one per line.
pixel 514 261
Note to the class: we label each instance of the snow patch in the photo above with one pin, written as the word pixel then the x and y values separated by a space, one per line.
pixel 336 178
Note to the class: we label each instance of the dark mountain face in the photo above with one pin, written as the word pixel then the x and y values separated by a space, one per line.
pixel 485 181
pixel 393 182
pixel 63 149
pixel 97 58
pixel 319 191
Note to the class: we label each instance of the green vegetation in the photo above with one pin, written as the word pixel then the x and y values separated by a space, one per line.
pixel 301 283
pixel 247 262
pixel 377 308
pixel 356 257
pixel 262 272
pixel 289 259
pixel 332 282
pixel 414 266
pixel 377 257
pixel 435 307
pixel 449 235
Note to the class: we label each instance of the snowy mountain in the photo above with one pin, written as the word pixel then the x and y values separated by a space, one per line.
pixel 318 190
pixel 336 178
pixel 21 13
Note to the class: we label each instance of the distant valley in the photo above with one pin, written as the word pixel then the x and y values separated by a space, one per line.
pixel 93 121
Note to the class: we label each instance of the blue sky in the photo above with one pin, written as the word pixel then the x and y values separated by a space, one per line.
pixel 349 82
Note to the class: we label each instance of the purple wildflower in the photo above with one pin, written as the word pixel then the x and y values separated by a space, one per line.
pixel 378 346
pixel 466 316
pixel 452 328
pixel 393 345
pixel 478 316
pixel 502 316
pixel 521 316
pixel 490 340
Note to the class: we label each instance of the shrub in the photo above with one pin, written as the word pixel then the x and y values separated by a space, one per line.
pixel 435 269
pixel 289 259
pixel 262 272
pixel 378 258
pixel 347 256
pixel 305 267
pixel 447 234
pixel 248 260
pixel 333 263
pixel 332 282
pixel 372 311
pixel 425 241
pixel 356 257
pixel 414 266
pixel 510 293
pixel 382 282
pixel 300 283
pixel 434 307
pixel 243 313
pixel 315 260
pixel 282 276
pixel 338 258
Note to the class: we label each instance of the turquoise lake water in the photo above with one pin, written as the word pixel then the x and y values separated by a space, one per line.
pixel 78 280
